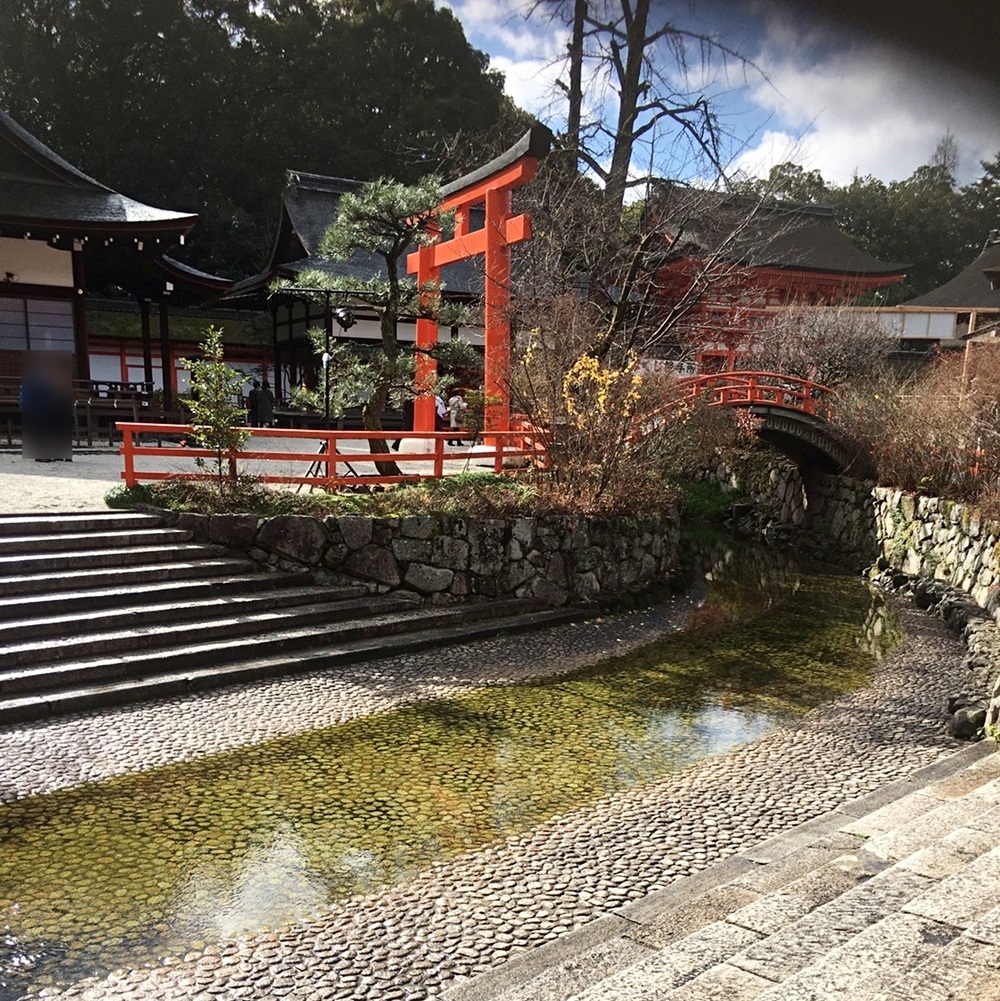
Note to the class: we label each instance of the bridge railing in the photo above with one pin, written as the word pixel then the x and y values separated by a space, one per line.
pixel 772 389
pixel 327 458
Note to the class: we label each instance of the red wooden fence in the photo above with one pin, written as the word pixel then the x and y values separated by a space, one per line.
pixel 331 466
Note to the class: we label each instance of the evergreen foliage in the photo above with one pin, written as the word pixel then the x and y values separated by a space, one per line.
pixel 201 105
pixel 386 219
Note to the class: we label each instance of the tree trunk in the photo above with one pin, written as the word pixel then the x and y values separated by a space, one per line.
pixel 575 94
pixel 373 422
pixel 629 74
pixel 380 394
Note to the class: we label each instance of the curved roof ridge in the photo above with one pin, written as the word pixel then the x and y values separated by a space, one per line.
pixel 33 147
pixel 40 187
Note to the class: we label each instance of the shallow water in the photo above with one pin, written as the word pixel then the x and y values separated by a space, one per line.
pixel 127 871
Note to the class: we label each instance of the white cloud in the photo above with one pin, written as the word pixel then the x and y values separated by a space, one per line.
pixel 531 84
pixel 500 27
pixel 836 103
pixel 865 108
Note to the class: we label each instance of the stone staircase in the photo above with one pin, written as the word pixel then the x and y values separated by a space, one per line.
pixel 106 608
pixel 891 897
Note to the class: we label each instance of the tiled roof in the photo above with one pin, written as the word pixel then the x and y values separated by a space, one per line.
pixel 308 209
pixel 770 234
pixel 970 288
pixel 37 186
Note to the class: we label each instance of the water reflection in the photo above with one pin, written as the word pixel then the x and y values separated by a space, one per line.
pixel 271 883
pixel 123 872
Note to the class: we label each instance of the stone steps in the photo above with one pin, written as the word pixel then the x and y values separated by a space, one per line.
pixel 90 618
pixel 89 521
pixel 66 542
pixel 475 622
pixel 17 585
pixel 104 609
pixel 101 601
pixel 876 901
pixel 94 559
pixel 217 621
pixel 236 642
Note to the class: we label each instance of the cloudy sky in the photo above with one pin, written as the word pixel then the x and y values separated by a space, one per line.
pixel 826 95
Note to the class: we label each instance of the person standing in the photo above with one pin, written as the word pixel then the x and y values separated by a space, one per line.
pixel 407 421
pixel 456 408
pixel 253 405
pixel 47 403
pixel 265 406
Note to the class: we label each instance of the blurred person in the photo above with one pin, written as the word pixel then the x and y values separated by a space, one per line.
pixel 265 406
pixel 46 401
pixel 253 405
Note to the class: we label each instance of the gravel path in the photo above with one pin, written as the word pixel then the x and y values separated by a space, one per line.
pixel 26 485
pixel 466 915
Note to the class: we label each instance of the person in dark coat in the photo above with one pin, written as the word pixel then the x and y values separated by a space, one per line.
pixel 407 421
pixel 253 405
pixel 265 406
pixel 47 403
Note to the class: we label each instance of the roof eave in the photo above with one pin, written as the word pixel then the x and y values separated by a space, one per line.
pixel 182 224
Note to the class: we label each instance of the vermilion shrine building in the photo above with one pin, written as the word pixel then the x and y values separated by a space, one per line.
pixel 731 261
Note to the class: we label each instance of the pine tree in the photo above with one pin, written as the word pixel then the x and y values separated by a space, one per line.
pixel 215 415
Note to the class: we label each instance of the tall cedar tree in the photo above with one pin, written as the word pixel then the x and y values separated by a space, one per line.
pixel 201 105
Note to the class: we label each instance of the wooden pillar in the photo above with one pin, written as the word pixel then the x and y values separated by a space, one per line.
pixel 166 360
pixel 292 380
pixel 496 311
pixel 81 338
pixel 147 342
pixel 275 358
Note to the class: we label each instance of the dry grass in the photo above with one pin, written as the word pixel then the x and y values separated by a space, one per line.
pixel 465 495
pixel 936 433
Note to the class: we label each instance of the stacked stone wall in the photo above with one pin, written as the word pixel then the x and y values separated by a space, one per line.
pixel 947 553
pixel 774 487
pixel 561 560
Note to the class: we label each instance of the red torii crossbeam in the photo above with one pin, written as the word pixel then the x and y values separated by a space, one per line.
pixel 490 187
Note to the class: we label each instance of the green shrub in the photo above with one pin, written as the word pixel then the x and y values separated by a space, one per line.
pixel 125 498
pixel 705 500
pixel 464 495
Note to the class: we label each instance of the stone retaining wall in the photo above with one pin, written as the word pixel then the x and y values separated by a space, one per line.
pixel 561 560
pixel 940 550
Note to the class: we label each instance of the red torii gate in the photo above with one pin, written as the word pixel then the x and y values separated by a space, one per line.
pixel 490 186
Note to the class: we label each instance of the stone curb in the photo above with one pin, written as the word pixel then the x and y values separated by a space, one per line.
pixel 520 970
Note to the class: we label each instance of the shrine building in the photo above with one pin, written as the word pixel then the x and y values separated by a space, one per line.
pixel 308 209
pixel 66 238
pixel 730 261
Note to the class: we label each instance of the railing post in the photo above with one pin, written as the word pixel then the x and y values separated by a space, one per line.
pixel 129 456
pixel 438 458
pixel 498 444
pixel 331 460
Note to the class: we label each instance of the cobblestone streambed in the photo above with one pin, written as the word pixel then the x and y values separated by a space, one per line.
pixel 165 862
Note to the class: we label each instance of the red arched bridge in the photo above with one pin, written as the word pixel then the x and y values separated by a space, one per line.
pixel 792 414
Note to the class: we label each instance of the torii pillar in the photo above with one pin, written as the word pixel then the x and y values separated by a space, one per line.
pixel 490 187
